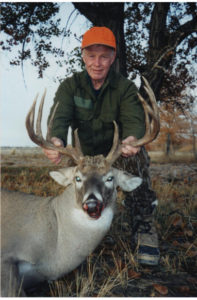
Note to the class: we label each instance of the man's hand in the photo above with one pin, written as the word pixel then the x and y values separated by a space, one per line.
pixel 54 155
pixel 128 150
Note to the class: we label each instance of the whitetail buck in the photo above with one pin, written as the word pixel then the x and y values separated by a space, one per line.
pixel 44 238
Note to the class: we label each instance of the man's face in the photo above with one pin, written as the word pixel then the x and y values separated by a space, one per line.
pixel 98 60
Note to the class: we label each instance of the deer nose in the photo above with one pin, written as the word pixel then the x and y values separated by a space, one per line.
pixel 93 206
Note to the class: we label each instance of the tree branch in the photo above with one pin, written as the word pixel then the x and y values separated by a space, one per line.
pixel 168 51
pixel 98 13
pixel 184 30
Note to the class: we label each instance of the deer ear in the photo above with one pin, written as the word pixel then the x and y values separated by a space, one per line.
pixel 127 182
pixel 63 176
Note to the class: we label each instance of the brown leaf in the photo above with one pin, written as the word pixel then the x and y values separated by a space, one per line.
pixel 177 221
pixel 133 274
pixel 176 243
pixel 163 290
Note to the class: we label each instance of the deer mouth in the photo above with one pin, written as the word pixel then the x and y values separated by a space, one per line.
pixel 93 208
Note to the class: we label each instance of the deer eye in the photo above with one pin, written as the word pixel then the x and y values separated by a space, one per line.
pixel 109 179
pixel 78 179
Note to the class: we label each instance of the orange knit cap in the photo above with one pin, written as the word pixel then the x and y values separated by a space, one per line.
pixel 99 35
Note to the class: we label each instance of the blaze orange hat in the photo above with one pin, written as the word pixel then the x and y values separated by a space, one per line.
pixel 99 35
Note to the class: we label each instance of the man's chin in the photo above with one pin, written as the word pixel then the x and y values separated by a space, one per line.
pixel 98 77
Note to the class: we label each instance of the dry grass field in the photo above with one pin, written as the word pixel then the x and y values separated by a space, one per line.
pixel 111 270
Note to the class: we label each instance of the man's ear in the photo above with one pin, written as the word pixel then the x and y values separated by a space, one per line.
pixel 114 57
pixel 83 55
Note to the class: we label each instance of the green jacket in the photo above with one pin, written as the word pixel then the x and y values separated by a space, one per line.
pixel 80 107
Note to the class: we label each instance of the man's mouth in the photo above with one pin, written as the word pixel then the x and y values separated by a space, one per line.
pixel 97 71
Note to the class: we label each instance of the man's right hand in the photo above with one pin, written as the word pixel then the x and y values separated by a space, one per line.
pixel 54 155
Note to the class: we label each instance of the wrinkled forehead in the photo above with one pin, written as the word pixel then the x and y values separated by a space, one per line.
pixel 94 164
pixel 98 48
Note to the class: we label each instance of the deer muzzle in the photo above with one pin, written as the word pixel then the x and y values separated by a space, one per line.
pixel 93 207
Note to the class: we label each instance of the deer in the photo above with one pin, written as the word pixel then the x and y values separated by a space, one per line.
pixel 44 238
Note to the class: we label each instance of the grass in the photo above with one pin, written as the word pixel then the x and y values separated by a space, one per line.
pixel 176 157
pixel 111 270
pixel 34 180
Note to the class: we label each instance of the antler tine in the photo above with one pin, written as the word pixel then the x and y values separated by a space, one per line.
pixel 77 143
pixel 48 136
pixel 146 111
pixel 37 137
pixel 154 112
pixel 39 118
pixel 152 97
pixel 152 121
pixel 115 151
pixel 30 120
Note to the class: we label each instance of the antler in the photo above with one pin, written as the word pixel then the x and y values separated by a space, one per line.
pixel 116 148
pixel 152 120
pixel 74 152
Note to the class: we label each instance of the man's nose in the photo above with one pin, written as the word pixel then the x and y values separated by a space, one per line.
pixel 97 61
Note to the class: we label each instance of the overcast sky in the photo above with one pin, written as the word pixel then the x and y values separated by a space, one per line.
pixel 16 99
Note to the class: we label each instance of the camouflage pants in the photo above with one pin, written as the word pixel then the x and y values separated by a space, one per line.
pixel 140 202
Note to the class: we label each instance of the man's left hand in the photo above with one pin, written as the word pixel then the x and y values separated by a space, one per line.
pixel 128 150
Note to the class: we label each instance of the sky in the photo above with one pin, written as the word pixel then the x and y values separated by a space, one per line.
pixel 16 98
